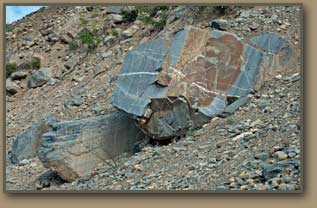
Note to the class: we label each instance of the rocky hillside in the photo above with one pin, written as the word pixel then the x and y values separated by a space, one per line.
pixel 64 61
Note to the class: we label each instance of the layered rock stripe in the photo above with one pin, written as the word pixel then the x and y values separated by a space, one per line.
pixel 74 148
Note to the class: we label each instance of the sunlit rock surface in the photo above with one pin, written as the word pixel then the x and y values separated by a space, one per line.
pixel 172 84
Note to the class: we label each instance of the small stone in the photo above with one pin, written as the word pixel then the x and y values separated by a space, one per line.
pixel 287 187
pixel 231 180
pixel 130 31
pixel 280 155
pixel 274 17
pixel 108 40
pixel 73 102
pixel 245 14
pixel 278 77
pixel 262 156
pixel 116 18
pixel 138 167
pixel 276 181
pixel 19 75
pixel 106 54
pixel 39 78
pixel 292 154
pixel 24 162
pixel 33 164
pixel 11 87
pixel 283 27
pixel 219 24
pixel 261 187
pixel 256 123
pixel 244 187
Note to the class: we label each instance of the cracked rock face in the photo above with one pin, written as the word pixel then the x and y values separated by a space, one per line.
pixel 170 85
pixel 74 148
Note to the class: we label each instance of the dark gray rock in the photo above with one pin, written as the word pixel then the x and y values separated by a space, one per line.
pixel 39 78
pixel 26 144
pixel 48 179
pixel 273 170
pixel 219 24
pixel 19 75
pixel 73 102
pixel 74 148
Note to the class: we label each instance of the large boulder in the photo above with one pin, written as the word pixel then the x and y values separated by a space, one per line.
pixel 25 145
pixel 74 148
pixel 178 82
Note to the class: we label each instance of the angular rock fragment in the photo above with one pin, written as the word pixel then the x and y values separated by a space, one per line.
pixel 271 42
pixel 74 148
pixel 273 170
pixel 19 75
pixel 279 52
pixel 219 24
pixel 172 84
pixel 26 144
pixel 11 87
pixel 116 18
pixel 39 78
pixel 119 9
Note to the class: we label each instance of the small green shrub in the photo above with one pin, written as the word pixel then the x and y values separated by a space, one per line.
pixel 95 11
pixel 114 32
pixel 143 9
pixel 230 121
pixel 148 20
pixel 130 16
pixel 148 13
pixel 73 45
pixel 35 63
pixel 90 39
pixel 221 9
pixel 159 25
pixel 10 68
pixel 83 21
pixel 201 8
pixel 9 28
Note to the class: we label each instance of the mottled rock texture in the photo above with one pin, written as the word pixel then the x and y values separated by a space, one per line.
pixel 176 83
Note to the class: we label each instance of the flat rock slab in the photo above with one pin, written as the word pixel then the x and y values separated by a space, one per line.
pixel 74 148
pixel 194 75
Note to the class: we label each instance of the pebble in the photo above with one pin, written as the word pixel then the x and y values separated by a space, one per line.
pixel 24 162
pixel 261 187
pixel 280 155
